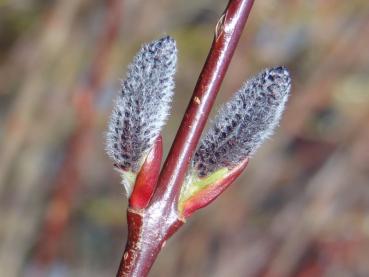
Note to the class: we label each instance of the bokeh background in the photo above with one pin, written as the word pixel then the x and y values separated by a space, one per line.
pixel 300 209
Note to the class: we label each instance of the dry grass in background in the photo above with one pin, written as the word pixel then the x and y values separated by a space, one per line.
pixel 300 209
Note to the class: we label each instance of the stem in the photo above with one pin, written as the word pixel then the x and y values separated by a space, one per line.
pixel 146 237
pixel 149 229
pixel 227 33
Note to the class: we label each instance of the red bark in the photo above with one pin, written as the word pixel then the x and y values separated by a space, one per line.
pixel 149 228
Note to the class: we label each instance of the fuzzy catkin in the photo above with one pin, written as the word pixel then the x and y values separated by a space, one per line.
pixel 143 104
pixel 243 123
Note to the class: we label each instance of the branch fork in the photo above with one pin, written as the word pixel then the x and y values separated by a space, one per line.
pixel 153 219
pixel 160 202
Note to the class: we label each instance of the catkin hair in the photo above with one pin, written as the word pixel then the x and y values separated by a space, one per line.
pixel 244 123
pixel 143 104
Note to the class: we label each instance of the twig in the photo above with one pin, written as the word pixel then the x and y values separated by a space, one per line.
pixel 149 229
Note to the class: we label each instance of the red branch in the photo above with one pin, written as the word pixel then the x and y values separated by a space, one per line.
pixel 148 229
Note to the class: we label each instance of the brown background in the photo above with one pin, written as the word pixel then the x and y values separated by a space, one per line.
pixel 300 209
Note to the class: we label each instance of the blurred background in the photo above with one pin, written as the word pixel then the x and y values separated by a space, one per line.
pixel 300 209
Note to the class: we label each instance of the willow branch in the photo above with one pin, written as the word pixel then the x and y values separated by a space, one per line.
pixel 227 34
pixel 148 229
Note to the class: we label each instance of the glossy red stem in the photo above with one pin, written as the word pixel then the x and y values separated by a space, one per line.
pixel 149 228
pixel 147 233
pixel 227 34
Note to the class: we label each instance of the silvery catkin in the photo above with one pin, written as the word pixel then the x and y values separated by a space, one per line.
pixel 143 104
pixel 244 123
